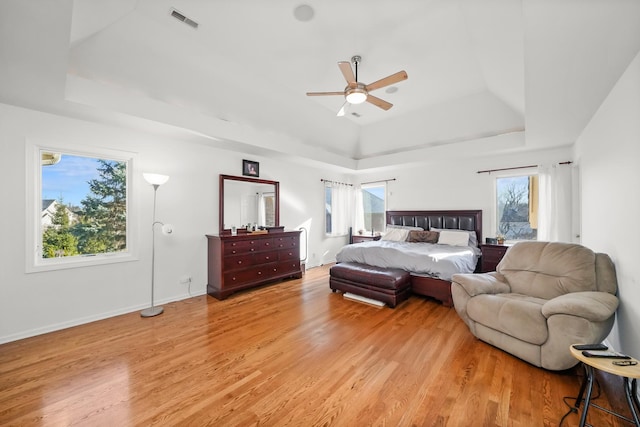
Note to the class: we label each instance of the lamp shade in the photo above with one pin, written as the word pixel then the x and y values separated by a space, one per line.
pixel 155 179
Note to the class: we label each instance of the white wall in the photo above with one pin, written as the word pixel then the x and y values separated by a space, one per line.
pixel 608 151
pixel 40 302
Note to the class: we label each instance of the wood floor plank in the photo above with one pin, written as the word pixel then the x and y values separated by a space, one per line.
pixel 292 353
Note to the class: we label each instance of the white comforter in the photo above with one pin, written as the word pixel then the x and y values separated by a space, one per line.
pixel 439 261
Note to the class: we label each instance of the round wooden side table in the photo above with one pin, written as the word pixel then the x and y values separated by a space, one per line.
pixel 629 373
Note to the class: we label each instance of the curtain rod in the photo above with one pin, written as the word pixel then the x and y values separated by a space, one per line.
pixel 380 180
pixel 335 182
pixel 520 167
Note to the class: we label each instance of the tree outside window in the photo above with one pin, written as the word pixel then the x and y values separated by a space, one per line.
pixel 517 207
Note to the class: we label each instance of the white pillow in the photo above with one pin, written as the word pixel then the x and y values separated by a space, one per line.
pixel 396 235
pixel 453 238
pixel 473 239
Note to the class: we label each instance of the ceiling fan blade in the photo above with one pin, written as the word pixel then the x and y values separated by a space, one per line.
pixel 347 71
pixel 324 93
pixel 389 80
pixel 343 109
pixel 379 102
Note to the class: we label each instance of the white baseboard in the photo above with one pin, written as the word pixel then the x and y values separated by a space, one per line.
pixel 88 319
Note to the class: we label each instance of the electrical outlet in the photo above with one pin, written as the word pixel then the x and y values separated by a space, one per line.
pixel 185 280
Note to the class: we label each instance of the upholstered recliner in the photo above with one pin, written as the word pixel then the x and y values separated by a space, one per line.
pixel 543 297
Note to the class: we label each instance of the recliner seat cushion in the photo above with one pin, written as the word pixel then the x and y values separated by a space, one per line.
pixel 547 270
pixel 517 315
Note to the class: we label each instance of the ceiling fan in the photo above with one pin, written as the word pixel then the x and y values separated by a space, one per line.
pixel 356 92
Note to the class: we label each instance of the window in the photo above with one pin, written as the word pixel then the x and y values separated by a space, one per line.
pixel 374 206
pixel 80 208
pixel 517 207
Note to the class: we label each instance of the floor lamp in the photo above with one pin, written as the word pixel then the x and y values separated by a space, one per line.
pixel 156 181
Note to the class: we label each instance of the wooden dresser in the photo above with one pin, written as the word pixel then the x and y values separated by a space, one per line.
pixel 249 260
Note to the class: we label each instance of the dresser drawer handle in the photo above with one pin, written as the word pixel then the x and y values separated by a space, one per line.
pixel 234 252
pixel 266 257
pixel 239 262
pixel 259 273
pixel 275 269
pixel 233 278
pixel 267 243
pixel 252 249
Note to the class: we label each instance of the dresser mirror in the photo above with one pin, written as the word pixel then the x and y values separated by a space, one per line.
pixel 246 201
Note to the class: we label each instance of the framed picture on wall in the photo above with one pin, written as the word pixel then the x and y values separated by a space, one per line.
pixel 250 168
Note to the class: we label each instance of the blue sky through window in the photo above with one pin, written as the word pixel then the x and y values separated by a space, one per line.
pixel 68 179
pixel 376 191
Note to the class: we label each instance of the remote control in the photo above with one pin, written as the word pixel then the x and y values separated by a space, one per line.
pixel 590 347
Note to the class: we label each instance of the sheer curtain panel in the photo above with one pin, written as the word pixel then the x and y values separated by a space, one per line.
pixel 555 216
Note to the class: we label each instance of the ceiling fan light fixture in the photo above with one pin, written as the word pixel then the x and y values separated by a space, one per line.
pixel 356 95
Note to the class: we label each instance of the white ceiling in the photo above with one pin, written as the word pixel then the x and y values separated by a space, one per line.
pixel 484 76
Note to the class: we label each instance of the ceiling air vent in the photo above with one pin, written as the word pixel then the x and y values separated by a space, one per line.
pixel 180 17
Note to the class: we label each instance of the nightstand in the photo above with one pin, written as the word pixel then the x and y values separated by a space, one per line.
pixel 359 238
pixel 491 256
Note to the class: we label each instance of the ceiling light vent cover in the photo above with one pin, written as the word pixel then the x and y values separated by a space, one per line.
pixel 180 17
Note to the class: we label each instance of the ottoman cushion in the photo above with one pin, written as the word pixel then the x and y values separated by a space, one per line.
pixel 385 278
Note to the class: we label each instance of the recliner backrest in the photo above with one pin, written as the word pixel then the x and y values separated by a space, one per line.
pixel 549 269
pixel 606 279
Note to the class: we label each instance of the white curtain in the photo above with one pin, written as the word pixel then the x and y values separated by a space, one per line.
pixel 262 215
pixel 341 207
pixel 358 210
pixel 555 209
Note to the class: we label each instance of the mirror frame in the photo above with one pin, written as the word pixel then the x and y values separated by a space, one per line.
pixel 224 178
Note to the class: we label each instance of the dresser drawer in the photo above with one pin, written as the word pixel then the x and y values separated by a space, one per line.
pixel 284 255
pixel 237 247
pixel 286 242
pixel 247 246
pixel 237 262
pixel 292 266
pixel 250 275
pixel 266 257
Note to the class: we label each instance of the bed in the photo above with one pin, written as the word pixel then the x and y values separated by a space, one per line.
pixel 430 265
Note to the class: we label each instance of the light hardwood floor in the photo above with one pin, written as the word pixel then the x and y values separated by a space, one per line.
pixel 292 353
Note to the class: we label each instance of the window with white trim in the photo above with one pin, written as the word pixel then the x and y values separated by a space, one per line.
pixel 80 208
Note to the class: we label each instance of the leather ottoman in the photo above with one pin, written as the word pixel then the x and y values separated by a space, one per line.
pixel 389 285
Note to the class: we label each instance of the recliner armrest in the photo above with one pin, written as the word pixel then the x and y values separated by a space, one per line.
pixel 484 283
pixel 593 306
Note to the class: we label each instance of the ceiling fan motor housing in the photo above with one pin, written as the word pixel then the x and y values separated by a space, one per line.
pixel 356 93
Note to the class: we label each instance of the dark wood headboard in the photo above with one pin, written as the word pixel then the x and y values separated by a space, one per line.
pixel 470 220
